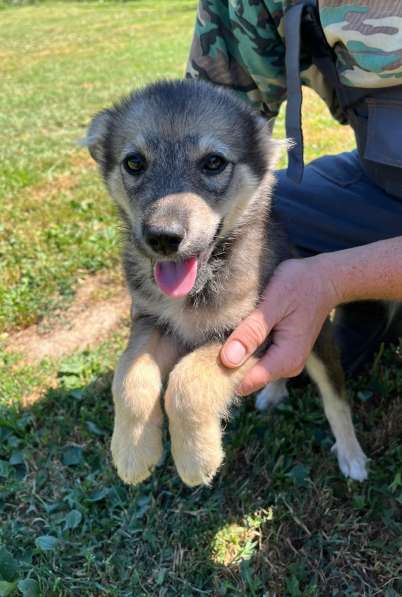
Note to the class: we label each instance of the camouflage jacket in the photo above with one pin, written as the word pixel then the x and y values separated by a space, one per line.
pixel 240 43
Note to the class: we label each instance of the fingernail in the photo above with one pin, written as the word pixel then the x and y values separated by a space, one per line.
pixel 234 352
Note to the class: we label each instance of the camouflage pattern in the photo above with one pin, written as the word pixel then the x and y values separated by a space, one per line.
pixel 240 44
pixel 237 44
pixel 367 39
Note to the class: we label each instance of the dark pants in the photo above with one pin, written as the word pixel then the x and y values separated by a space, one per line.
pixel 337 207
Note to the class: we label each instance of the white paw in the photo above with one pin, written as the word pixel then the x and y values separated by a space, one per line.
pixel 135 454
pixel 272 395
pixel 353 463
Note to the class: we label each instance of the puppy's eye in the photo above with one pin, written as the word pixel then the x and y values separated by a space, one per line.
pixel 213 164
pixel 135 164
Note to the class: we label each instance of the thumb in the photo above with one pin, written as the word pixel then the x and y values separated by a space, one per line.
pixel 245 340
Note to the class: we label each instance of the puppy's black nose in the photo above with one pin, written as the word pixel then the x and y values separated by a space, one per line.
pixel 164 242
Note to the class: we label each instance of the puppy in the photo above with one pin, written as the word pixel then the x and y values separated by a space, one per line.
pixel 190 168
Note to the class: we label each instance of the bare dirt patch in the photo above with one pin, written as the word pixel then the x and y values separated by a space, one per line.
pixel 101 304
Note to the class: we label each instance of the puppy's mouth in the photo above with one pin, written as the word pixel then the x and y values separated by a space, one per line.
pixel 176 279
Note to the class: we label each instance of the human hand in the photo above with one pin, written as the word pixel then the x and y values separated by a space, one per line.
pixel 298 299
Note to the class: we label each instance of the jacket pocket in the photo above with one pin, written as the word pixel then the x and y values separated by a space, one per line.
pixel 384 133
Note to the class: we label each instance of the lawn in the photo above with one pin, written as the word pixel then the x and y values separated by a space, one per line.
pixel 279 519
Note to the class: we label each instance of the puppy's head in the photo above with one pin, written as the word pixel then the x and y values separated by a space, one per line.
pixel 186 162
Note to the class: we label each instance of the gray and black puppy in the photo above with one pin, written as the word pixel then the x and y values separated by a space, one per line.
pixel 191 169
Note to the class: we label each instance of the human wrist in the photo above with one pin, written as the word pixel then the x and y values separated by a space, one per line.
pixel 327 271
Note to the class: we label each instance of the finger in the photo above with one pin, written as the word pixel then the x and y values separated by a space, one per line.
pixel 245 340
pixel 255 379
pixel 279 362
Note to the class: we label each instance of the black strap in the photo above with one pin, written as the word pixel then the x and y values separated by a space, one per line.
pixel 294 92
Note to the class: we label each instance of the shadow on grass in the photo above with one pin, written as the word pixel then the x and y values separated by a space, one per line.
pixel 278 518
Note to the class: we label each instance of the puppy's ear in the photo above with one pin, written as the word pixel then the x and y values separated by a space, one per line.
pixel 97 134
pixel 275 148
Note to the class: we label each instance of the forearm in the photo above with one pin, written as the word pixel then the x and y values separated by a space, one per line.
pixel 371 271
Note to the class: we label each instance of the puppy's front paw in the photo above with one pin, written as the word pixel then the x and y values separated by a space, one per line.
pixel 352 462
pixel 198 458
pixel 196 436
pixel 136 450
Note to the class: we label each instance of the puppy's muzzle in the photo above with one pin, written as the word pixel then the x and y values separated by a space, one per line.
pixel 164 241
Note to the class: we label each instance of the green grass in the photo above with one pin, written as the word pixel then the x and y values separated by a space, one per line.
pixel 279 518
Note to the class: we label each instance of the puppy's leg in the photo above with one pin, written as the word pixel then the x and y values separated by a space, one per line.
pixel 199 393
pixel 325 369
pixel 273 394
pixel 137 435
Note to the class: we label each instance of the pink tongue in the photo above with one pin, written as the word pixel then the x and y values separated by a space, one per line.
pixel 176 278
